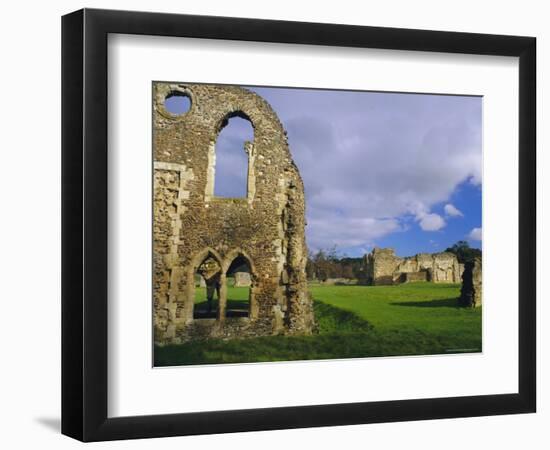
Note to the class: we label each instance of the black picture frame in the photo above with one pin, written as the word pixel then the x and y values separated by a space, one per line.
pixel 84 224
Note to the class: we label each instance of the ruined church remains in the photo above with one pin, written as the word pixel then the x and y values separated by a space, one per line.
pixel 242 279
pixel 197 233
pixel 383 267
pixel 470 292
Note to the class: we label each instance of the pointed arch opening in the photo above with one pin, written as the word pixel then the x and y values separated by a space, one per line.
pixel 207 278
pixel 240 282
pixel 232 156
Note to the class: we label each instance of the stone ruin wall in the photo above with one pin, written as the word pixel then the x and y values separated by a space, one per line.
pixel 412 277
pixel 380 266
pixel 266 228
pixel 242 279
pixel 470 293
pixel 383 267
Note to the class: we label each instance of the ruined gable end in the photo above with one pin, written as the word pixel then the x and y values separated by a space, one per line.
pixel 383 267
pixel 200 237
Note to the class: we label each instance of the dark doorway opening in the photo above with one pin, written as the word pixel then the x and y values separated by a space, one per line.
pixel 207 289
pixel 239 292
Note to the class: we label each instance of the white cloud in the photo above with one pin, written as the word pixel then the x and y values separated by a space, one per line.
pixel 428 221
pixel 375 162
pixel 432 222
pixel 345 232
pixel 452 211
pixel 475 234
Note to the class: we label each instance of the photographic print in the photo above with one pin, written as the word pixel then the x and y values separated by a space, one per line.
pixel 218 222
pixel 311 224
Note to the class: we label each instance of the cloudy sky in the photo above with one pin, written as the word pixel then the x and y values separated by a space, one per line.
pixel 380 169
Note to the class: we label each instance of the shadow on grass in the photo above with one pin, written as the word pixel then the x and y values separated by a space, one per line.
pixel 335 320
pixel 444 302
pixel 235 304
pixel 238 304
pixel 234 308
pixel 340 334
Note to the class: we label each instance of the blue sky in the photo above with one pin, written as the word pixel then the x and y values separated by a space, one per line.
pixel 379 169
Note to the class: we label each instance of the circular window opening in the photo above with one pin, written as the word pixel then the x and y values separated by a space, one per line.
pixel 177 103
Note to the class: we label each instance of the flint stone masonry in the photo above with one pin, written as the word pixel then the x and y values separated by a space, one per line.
pixel 383 267
pixel 470 293
pixel 265 229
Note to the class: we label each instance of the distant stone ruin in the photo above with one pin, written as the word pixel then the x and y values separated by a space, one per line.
pixel 242 279
pixel 470 293
pixel 383 267
pixel 196 232
pixel 336 281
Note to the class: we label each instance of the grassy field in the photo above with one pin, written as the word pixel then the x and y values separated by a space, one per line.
pixel 353 322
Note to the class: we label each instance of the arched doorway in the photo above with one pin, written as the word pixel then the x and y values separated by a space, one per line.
pixel 207 279
pixel 240 284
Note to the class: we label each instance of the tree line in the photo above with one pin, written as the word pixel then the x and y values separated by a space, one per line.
pixel 326 263
pixel 464 252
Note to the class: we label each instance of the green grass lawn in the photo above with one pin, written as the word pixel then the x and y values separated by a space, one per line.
pixel 353 322
pixel 237 298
